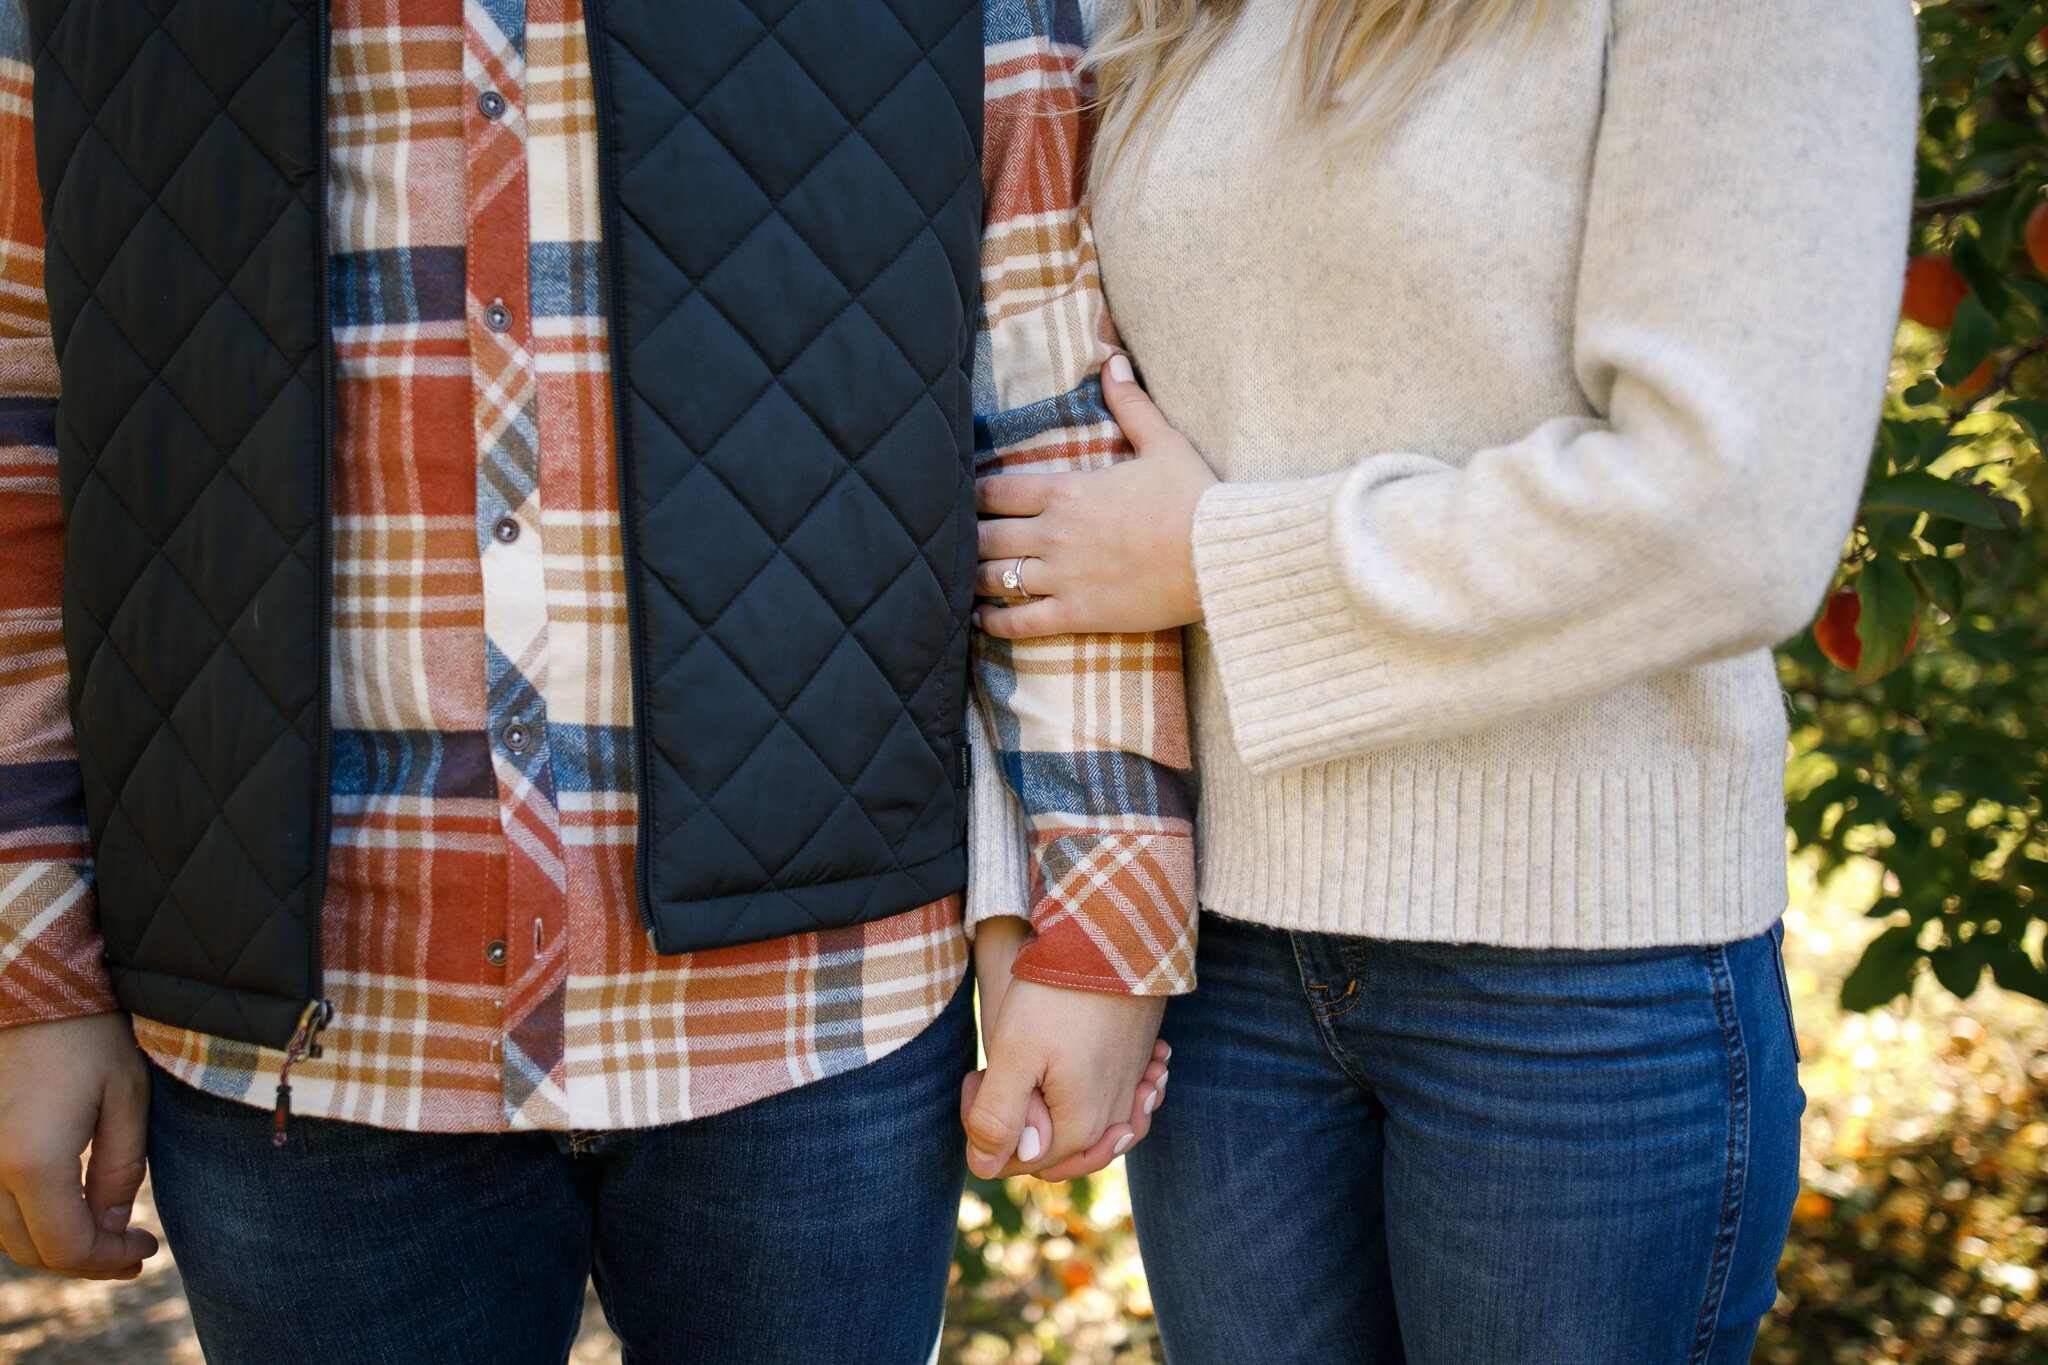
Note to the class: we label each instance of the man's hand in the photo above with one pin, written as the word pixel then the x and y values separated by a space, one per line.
pixel 1073 1075
pixel 65 1084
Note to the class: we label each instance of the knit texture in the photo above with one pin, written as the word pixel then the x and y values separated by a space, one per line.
pixel 1541 417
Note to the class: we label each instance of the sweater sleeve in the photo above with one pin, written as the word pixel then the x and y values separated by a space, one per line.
pixel 1738 291
pixel 50 950
pixel 1088 732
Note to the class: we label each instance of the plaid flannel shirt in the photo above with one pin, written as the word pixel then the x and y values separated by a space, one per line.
pixel 482 945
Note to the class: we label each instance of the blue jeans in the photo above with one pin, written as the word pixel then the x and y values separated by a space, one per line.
pixel 816 1225
pixel 1383 1152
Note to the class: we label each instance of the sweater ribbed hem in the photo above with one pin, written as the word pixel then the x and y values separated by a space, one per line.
pixel 1514 856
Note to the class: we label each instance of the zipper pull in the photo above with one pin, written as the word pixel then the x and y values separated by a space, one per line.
pixel 305 1043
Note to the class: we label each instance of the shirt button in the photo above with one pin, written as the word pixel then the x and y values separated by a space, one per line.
pixel 498 317
pixel 491 104
pixel 506 529
pixel 495 952
pixel 517 737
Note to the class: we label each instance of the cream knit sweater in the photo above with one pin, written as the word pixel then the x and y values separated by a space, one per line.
pixel 1540 420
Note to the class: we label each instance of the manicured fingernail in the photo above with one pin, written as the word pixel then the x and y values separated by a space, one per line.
pixel 1028 1144
pixel 1124 1142
pixel 116 1219
pixel 1152 1100
pixel 976 618
pixel 1159 1086
pixel 1169 1052
pixel 1120 368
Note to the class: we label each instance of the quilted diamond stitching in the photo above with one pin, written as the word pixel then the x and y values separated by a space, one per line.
pixel 115 96
pixel 922 543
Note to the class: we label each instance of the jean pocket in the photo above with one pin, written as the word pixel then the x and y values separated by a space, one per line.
pixel 1784 986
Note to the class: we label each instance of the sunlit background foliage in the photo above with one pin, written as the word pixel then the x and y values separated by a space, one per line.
pixel 1928 755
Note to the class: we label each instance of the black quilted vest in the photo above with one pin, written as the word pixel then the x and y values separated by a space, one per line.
pixel 791 219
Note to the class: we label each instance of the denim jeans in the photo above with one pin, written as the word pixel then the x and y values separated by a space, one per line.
pixel 1383 1152
pixel 816 1225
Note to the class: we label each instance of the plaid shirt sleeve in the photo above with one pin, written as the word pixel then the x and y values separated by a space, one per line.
pixel 1090 731
pixel 50 963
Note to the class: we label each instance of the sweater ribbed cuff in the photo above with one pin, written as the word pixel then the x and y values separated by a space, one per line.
pixel 998 848
pixel 1296 668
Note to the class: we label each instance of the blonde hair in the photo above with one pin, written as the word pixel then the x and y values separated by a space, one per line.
pixel 1358 64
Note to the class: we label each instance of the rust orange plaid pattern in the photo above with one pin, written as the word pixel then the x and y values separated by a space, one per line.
pixel 482 941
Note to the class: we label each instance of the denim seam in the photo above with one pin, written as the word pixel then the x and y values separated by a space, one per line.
pixel 1331 1042
pixel 1785 987
pixel 1738 1154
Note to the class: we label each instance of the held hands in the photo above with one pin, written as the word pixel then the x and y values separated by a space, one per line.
pixel 1073 1076
pixel 1104 550
pixel 64 1084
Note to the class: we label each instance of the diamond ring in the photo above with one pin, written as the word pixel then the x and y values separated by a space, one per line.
pixel 1013 578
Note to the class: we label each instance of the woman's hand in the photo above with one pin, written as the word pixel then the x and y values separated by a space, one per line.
pixel 1059 1070
pixel 1107 550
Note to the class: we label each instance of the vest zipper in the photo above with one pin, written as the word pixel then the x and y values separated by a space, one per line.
pixel 615 345
pixel 305 1043
pixel 323 815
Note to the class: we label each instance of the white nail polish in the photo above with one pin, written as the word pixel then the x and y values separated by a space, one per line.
pixel 1120 368
pixel 1159 1086
pixel 1124 1142
pixel 1151 1101
pixel 1028 1146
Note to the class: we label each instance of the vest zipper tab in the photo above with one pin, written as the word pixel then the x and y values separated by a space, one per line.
pixel 305 1043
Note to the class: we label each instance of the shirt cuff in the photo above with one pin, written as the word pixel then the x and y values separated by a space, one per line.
pixel 52 959
pixel 1116 915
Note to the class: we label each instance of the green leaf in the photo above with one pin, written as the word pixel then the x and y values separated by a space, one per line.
pixel 2006 132
pixel 1918 491
pixel 1986 281
pixel 1886 970
pixel 1941 581
pixel 2033 291
pixel 1890 605
pixel 1935 439
pixel 1958 967
pixel 1974 335
pixel 1923 393
pixel 2031 413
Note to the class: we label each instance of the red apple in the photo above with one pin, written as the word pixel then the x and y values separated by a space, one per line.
pixel 1835 631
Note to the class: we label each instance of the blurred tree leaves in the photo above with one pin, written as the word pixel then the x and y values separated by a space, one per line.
pixel 1932 759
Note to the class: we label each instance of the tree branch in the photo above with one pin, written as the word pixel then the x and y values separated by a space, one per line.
pixel 1968 199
